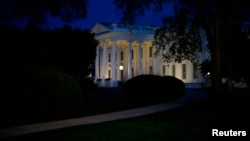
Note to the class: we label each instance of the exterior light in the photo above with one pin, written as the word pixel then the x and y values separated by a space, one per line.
pixel 121 72
pixel 208 73
pixel 121 67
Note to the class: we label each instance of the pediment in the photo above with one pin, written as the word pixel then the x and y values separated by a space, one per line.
pixel 100 28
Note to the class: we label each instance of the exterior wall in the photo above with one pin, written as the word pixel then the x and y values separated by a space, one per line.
pixel 136 57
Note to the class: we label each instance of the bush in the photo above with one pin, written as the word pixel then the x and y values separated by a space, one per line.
pixel 174 87
pixel 41 94
pixel 146 88
pixel 59 91
pixel 87 85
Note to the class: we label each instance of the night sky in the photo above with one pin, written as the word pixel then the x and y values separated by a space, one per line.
pixel 104 11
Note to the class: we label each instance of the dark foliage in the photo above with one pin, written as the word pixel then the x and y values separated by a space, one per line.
pixel 174 86
pixel 68 50
pixel 222 20
pixel 37 69
pixel 176 41
pixel 148 88
pixel 87 85
pixel 205 67
pixel 35 11
pixel 39 94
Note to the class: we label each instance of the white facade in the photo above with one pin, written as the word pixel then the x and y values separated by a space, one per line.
pixel 131 48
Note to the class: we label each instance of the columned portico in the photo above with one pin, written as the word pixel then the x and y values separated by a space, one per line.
pixel 122 55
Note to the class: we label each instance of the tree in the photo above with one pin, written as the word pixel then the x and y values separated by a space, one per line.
pixel 174 41
pixel 35 11
pixel 69 50
pixel 63 49
pixel 218 18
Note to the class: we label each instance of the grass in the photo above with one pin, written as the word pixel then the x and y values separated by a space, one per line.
pixel 192 122
pixel 108 100
pixel 185 123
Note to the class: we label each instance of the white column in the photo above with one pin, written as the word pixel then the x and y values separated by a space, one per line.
pixel 144 59
pixel 139 59
pixel 118 62
pixel 113 56
pixel 129 59
pixel 97 63
pixel 104 61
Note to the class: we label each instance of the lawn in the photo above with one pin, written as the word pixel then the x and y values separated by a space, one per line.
pixel 108 100
pixel 185 123
pixel 192 122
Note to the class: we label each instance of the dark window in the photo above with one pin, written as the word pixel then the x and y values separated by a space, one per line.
pixel 150 51
pixel 109 59
pixel 150 70
pixel 163 70
pixel 121 55
pixel 109 74
pixel 173 70
pixel 195 70
pixel 184 71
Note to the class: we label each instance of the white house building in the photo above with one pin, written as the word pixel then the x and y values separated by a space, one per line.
pixel 125 52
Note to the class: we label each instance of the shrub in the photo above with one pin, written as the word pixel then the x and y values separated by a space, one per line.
pixel 59 91
pixel 172 87
pixel 152 88
pixel 87 85
pixel 40 94
pixel 140 86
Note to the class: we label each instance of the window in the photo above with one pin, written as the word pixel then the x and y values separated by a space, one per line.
pixel 173 70
pixel 150 51
pixel 195 70
pixel 109 75
pixel 163 70
pixel 109 59
pixel 150 70
pixel 121 75
pixel 184 71
pixel 121 56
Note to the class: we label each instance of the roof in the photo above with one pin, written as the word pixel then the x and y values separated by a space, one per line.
pixel 113 27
